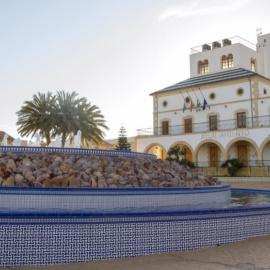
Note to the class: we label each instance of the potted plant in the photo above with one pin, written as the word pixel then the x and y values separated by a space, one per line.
pixel 232 165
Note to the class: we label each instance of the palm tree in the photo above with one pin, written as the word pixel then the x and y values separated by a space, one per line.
pixel 73 114
pixel 36 115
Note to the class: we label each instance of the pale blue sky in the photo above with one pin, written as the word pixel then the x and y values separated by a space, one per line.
pixel 114 53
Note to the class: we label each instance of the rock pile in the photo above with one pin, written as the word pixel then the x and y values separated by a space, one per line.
pixel 47 170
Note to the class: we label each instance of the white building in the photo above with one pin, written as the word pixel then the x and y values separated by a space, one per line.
pixel 233 77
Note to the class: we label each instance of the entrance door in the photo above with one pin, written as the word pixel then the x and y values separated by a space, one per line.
pixel 243 153
pixel 213 156
pixel 188 154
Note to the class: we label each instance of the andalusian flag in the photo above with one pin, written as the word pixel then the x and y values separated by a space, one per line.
pixel 191 105
pixel 184 107
pixel 198 105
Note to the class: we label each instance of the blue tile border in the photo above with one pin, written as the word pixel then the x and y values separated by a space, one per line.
pixel 74 151
pixel 79 237
pixel 107 199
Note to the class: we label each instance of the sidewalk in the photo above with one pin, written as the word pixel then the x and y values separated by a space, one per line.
pixel 251 254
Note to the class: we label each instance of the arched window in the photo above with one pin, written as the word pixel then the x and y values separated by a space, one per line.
pixel 230 60
pixel 224 62
pixel 200 67
pixel 253 66
pixel 227 61
pixel 206 67
pixel 203 67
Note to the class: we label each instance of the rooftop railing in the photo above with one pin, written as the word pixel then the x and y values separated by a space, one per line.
pixel 222 43
pixel 231 124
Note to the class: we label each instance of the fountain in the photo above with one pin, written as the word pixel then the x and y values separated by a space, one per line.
pixel 56 225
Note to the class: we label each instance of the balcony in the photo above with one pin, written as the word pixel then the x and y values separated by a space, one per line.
pixel 231 124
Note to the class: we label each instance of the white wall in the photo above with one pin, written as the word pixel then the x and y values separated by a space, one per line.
pixel 263 47
pixel 241 58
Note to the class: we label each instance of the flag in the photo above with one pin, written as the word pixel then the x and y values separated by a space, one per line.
pixel 204 104
pixel 198 105
pixel 184 107
pixel 191 105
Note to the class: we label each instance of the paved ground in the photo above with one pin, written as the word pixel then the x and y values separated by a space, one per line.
pixel 252 254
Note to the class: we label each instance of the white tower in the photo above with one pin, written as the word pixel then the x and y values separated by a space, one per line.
pixel 263 48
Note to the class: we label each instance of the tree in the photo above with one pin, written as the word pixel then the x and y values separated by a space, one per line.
pixel 65 115
pixel 36 115
pixel 232 165
pixel 177 154
pixel 122 142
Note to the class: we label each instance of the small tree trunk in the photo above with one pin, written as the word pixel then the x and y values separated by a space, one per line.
pixel 64 136
pixel 48 139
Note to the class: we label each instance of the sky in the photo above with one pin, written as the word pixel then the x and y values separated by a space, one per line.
pixel 112 52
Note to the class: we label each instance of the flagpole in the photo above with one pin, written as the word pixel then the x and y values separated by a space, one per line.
pixel 191 102
pixel 189 95
pixel 204 100
pixel 194 93
pixel 201 93
pixel 198 102
pixel 183 98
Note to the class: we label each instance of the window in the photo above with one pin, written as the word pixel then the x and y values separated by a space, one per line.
pixel 224 62
pixel 213 122
pixel 253 67
pixel 206 66
pixel 203 67
pixel 241 120
pixel 188 125
pixel 165 104
pixel 240 92
pixel 230 60
pixel 165 127
pixel 264 91
pixel 212 96
pixel 227 61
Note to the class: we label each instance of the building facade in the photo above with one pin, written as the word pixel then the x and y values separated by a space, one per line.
pixel 220 112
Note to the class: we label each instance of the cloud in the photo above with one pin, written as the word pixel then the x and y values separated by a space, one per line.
pixel 200 7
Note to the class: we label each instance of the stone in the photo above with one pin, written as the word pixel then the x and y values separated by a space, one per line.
pixel 54 182
pixel 65 182
pixel 42 177
pixel 145 177
pixel 23 184
pixel 141 172
pixel 155 183
pixel 37 184
pixel 146 184
pixel 95 166
pixel 102 183
pixel 98 174
pixel 93 182
pixel 122 182
pixel 85 184
pixel 1 180
pixel 18 178
pixel 74 182
pixel 10 181
pixel 82 171
pixel 26 162
pixel 65 167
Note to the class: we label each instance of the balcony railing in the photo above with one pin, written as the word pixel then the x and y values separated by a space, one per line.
pixel 247 163
pixel 231 124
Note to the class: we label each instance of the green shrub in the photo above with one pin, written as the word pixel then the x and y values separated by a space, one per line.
pixel 232 165
pixel 177 154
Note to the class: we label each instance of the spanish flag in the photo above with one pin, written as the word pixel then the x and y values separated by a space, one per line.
pixel 191 105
